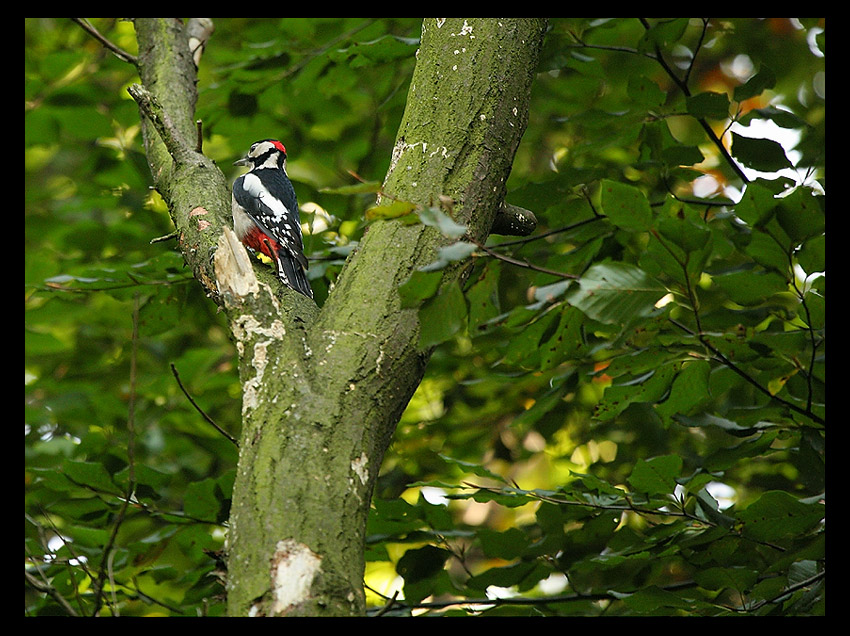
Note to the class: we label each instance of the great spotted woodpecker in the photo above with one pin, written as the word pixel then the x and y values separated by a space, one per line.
pixel 265 213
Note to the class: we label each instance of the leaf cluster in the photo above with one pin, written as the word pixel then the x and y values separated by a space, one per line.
pixel 650 365
pixel 624 413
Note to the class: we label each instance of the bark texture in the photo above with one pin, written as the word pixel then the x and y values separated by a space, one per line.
pixel 324 388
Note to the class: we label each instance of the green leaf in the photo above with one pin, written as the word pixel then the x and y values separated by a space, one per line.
pixel 750 287
pixel 160 312
pixel 88 510
pixel 757 204
pixel 706 419
pixel 89 474
pixel 756 85
pixel 421 563
pixel 201 501
pixel 616 293
pixel 525 574
pixel 625 206
pixel 483 299
pixel 801 215
pixel 475 469
pixel 779 116
pixel 393 518
pixel 565 341
pixel 89 537
pixel 507 497
pixel 689 390
pixel 457 251
pixel 509 544
pixel 777 515
pixel 734 578
pixel 645 92
pixel 765 251
pixel 688 234
pixel 812 255
pixel 638 363
pixel 679 155
pixel 551 400
pixel 648 388
pixel 592 482
pixel 420 286
pixel 764 155
pixel 663 34
pixel 149 482
pixel 650 599
pixel 708 508
pixel 523 347
pixel 709 105
pixel 656 476
pixel 442 316
pixel 448 227
pixel 378 51
pixel 391 210
pixel 365 187
pixel 752 447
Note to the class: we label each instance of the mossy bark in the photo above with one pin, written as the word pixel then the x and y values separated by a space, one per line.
pixel 324 388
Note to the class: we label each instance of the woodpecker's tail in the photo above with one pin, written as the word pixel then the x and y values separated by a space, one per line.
pixel 292 274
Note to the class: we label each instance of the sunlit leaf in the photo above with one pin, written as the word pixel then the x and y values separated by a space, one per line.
pixel 616 293
pixel 625 206
pixel 759 82
pixel 656 476
pixel 777 514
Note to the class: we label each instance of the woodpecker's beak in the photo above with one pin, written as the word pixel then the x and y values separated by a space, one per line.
pixel 242 162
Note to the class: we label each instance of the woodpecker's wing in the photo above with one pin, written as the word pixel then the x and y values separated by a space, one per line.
pixel 277 218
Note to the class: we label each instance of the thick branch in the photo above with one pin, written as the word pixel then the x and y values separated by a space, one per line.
pixel 320 418
pixel 177 146
pixel 194 188
pixel 512 220
pixel 323 390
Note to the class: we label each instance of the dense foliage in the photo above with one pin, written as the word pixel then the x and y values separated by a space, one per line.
pixel 625 411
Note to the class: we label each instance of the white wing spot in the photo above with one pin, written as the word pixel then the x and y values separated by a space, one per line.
pixel 252 185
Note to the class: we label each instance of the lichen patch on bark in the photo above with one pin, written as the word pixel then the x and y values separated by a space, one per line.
pixel 360 467
pixel 294 567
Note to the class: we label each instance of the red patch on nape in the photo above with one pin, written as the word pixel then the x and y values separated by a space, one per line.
pixel 279 146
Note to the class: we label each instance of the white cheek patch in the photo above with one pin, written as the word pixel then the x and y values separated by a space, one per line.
pixel 252 185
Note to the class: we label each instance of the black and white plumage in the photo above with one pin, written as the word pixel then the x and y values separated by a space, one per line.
pixel 265 213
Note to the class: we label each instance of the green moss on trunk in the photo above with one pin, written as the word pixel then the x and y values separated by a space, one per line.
pixel 324 389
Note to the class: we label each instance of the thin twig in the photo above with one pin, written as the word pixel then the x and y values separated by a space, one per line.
pixel 48 589
pixel 105 562
pixel 131 416
pixel 389 604
pixel 683 86
pixel 200 410
pixel 696 50
pixel 788 591
pixel 167 237
pixel 179 149
pixel 522 263
pixel 120 53
pixel 731 365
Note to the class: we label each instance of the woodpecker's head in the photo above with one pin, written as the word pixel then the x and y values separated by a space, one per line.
pixel 268 153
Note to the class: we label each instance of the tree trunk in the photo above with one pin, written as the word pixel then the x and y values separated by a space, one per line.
pixel 324 388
